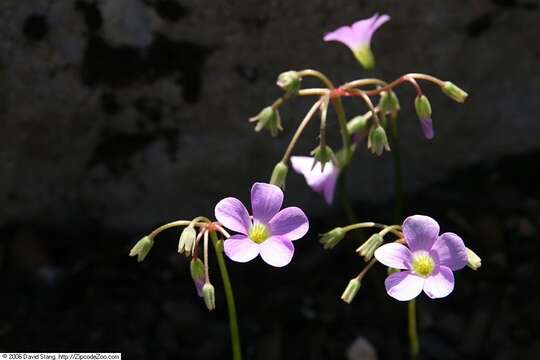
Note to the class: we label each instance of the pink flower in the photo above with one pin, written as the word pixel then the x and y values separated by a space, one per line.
pixel 358 38
pixel 321 181
pixel 269 232
pixel 428 262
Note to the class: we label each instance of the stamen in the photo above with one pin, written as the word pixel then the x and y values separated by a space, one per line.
pixel 258 233
pixel 423 264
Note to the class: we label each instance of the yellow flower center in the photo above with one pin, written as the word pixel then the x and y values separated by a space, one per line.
pixel 423 264
pixel 258 233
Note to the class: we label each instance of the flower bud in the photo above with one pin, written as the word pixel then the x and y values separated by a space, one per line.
pixel 378 141
pixel 367 249
pixel 351 290
pixel 332 238
pixel 473 260
pixel 359 124
pixel 454 92
pixel 279 175
pixel 187 240
pixel 323 154
pixel 196 268
pixel 142 248
pixel 389 102
pixel 268 118
pixel 289 81
pixel 209 296
pixel 423 107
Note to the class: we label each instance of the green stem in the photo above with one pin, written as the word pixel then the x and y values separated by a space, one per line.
pixel 229 295
pixel 413 333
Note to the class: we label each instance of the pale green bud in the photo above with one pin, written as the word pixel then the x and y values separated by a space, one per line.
pixel 196 268
pixel 378 140
pixel 367 249
pixel 454 92
pixel 290 82
pixel 209 296
pixel 473 260
pixel 142 248
pixel 389 102
pixel 187 240
pixel 332 238
pixel 323 154
pixel 358 124
pixel 351 290
pixel 279 175
pixel 423 107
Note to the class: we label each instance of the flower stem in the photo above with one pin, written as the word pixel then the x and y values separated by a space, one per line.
pixel 413 333
pixel 229 295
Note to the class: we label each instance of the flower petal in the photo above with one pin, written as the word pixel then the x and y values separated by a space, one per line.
pixel 277 251
pixel 440 283
pixel 330 185
pixel 450 251
pixel 266 200
pixel 420 232
pixel 344 35
pixel 394 255
pixel 290 223
pixel 404 285
pixel 199 283
pixel 233 215
pixel 240 249
pixel 321 181
pixel 427 128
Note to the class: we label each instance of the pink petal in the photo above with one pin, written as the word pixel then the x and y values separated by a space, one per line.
pixel 321 181
pixel 451 251
pixel 266 200
pixel 394 255
pixel 440 283
pixel 420 232
pixel 290 223
pixel 277 251
pixel 344 35
pixel 233 215
pixel 330 185
pixel 427 128
pixel 240 249
pixel 404 285
pixel 199 283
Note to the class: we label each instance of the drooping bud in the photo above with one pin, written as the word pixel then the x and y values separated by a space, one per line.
pixel 454 92
pixel 196 268
pixel 323 154
pixel 377 140
pixel 367 249
pixel 142 248
pixel 389 103
pixel 332 238
pixel 290 82
pixel 423 110
pixel 279 175
pixel 359 124
pixel 209 296
pixel 186 243
pixel 351 290
pixel 473 260
pixel 268 118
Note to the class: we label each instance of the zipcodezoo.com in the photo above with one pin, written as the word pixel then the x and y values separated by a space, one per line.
pixel 60 356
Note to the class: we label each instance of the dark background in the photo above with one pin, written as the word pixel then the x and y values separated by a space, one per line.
pixel 117 116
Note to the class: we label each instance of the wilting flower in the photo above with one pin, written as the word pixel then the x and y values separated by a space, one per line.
pixel 428 261
pixel 358 38
pixel 269 232
pixel 321 181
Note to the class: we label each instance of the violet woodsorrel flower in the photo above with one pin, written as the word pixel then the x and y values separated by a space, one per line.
pixel 269 232
pixel 428 261
pixel 358 38
pixel 321 181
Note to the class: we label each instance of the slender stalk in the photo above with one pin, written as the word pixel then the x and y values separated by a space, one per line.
pixel 413 333
pixel 229 295
pixel 172 224
pixel 394 229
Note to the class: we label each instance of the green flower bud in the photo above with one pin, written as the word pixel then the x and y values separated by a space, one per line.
pixel 351 290
pixel 323 154
pixel 186 243
pixel 142 248
pixel 423 107
pixel 473 260
pixel 290 82
pixel 378 141
pixel 359 124
pixel 454 92
pixel 279 175
pixel 268 118
pixel 209 296
pixel 196 267
pixel 332 238
pixel 367 249
pixel 389 102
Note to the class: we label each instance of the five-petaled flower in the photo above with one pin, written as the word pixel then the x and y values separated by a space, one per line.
pixel 358 38
pixel 320 180
pixel 428 261
pixel 269 232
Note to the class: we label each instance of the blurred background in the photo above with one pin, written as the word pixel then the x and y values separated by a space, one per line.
pixel 119 115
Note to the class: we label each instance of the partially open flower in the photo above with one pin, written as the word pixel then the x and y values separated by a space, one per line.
pixel 423 110
pixel 269 119
pixel 269 233
pixel 322 181
pixel 358 38
pixel 428 262
pixel 142 248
